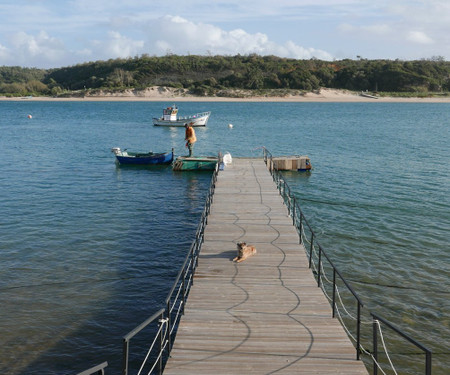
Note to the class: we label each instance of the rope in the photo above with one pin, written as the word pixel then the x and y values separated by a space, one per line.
pixel 304 235
pixel 345 327
pixel 324 275
pixel 176 317
pixel 314 267
pixel 353 338
pixel 343 306
pixel 189 282
pixel 384 346
pixel 163 321
pixel 159 356
pixel 322 286
pixel 378 365
pixel 176 297
pixel 315 251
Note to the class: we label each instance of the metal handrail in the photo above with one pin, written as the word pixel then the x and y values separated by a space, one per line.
pixel 405 336
pixel 299 221
pixel 168 317
pixel 99 370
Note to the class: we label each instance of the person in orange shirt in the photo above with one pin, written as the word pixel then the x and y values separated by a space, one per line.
pixel 190 138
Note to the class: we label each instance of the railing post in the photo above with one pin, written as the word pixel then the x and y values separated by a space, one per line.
pixel 334 292
pixel 375 346
pixel 293 212
pixel 169 318
pixel 319 268
pixel 197 247
pixel 301 227
pixel 311 249
pixel 161 344
pixel 183 290
pixel 428 362
pixel 126 349
pixel 290 203
pixel 192 265
pixel 358 331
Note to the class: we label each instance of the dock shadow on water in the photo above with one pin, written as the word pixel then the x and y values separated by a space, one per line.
pixel 107 279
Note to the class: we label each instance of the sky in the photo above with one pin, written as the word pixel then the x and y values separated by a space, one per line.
pixel 58 33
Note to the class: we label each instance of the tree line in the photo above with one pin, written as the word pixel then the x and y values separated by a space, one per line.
pixel 214 75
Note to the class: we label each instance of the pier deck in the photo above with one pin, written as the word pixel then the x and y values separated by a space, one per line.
pixel 265 315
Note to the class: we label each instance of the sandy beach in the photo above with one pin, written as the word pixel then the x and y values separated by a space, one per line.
pixel 166 94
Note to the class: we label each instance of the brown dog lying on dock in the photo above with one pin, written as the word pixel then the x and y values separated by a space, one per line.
pixel 244 251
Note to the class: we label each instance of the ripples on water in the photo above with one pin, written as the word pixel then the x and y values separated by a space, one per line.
pixel 89 250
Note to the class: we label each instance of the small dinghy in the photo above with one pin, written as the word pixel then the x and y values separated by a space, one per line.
pixel 195 163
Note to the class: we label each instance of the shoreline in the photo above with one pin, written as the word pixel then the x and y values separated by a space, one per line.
pixel 324 95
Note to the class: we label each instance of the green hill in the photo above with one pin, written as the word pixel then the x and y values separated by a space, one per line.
pixel 214 75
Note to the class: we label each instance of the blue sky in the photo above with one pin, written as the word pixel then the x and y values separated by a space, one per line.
pixel 56 33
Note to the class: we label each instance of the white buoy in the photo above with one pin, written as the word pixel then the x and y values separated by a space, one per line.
pixel 29 116
pixel 230 125
pixel 227 159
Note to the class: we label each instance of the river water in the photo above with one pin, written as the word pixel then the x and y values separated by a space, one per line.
pixel 89 250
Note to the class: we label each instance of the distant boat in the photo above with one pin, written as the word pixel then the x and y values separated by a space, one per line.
pixel 142 158
pixel 367 95
pixel 195 163
pixel 170 118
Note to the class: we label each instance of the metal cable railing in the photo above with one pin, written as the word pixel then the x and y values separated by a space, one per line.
pixel 166 319
pixel 317 258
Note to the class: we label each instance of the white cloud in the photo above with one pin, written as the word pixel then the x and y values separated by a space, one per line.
pixel 118 45
pixel 172 34
pixel 38 48
pixel 375 30
pixel 58 33
pixel 4 53
pixel 180 36
pixel 419 37
pixel 378 29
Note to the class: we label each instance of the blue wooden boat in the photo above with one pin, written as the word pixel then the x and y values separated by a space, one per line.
pixel 142 158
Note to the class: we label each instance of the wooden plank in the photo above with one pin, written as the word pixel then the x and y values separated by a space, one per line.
pixel 266 314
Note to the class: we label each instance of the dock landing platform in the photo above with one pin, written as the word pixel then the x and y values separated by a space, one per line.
pixel 265 315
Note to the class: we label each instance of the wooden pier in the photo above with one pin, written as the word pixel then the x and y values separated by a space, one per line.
pixel 265 315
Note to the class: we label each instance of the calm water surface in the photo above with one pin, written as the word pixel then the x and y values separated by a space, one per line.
pixel 89 250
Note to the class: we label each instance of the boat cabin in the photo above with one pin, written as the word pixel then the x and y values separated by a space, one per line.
pixel 170 113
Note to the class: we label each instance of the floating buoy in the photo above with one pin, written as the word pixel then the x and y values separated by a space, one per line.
pixel 230 125
pixel 29 116
pixel 227 159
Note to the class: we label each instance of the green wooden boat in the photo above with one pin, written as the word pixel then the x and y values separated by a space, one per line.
pixel 195 163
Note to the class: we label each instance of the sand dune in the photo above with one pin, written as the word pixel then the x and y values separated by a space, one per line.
pixel 168 94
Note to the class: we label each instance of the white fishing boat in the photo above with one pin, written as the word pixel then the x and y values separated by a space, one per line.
pixel 170 118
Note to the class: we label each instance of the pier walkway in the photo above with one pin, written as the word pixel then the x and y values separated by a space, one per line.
pixel 265 315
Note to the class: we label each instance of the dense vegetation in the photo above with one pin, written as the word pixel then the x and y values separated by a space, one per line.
pixel 217 75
